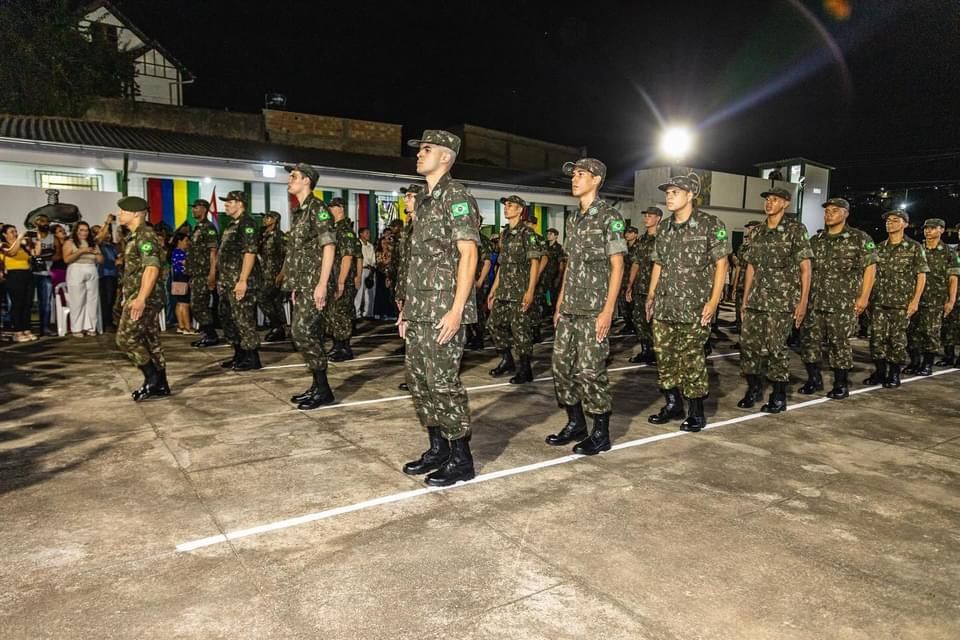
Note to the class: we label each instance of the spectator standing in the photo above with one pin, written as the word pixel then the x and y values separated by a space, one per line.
pixel 16 262
pixel 81 255
pixel 107 270
pixel 366 294
pixel 41 279
pixel 180 285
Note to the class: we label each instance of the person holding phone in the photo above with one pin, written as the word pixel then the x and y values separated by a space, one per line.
pixel 16 249
pixel 82 255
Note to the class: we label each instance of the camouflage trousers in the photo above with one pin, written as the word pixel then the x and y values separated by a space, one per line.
pixel 538 308
pixel 624 308
pixel 888 335
pixel 239 319
pixel 307 331
pixel 200 301
pixel 680 359
pixel 737 304
pixel 580 364
pixel 338 315
pixel 511 328
pixel 271 301
pixel 763 344
pixel 923 333
pixel 140 340
pixel 950 330
pixel 433 375
pixel 833 328
pixel 644 326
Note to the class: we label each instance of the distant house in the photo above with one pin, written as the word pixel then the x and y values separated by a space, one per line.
pixel 159 75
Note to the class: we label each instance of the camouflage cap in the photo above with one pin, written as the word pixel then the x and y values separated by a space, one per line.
pixel 632 229
pixel 681 182
pixel 592 165
pixel 413 188
pixel 438 137
pixel 200 202
pixel 780 192
pixel 133 204
pixel 337 202
pixel 515 200
pixel 272 214
pixel 897 212
pixel 837 202
pixel 553 231
pixel 657 211
pixel 240 196
pixel 305 170
pixel 934 222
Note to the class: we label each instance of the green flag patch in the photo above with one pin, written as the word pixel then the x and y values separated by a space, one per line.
pixel 211 232
pixel 721 234
pixel 616 225
pixel 323 215
pixel 460 209
pixel 870 245
pixel 248 230
pixel 146 247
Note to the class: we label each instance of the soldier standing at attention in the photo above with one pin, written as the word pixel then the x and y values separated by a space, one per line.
pixel 950 336
pixel 273 250
pixel 439 300
pixel 776 293
pixel 536 310
pixel 307 271
pixel 513 294
pixel 338 316
pixel 624 301
pixel 552 274
pixel 686 285
pixel 937 302
pixel 202 269
pixel 400 258
pixel 740 273
pixel 844 270
pixel 476 330
pixel 138 335
pixel 901 275
pixel 585 308
pixel 641 265
pixel 238 283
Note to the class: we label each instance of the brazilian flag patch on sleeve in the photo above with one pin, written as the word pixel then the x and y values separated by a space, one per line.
pixel 533 239
pixel 146 247
pixel 721 234
pixel 248 230
pixel 460 209
pixel 211 232
pixel 870 245
pixel 323 215
pixel 616 225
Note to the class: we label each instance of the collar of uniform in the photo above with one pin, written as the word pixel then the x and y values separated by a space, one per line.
pixel 691 221
pixel 939 247
pixel 593 208
pixel 780 227
pixel 440 186
pixel 306 201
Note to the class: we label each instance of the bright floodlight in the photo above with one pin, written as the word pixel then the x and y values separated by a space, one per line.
pixel 676 142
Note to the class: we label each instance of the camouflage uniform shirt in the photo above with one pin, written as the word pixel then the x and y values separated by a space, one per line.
pixel 444 217
pixel 239 238
pixel 348 244
pixel 592 237
pixel 311 227
pixel 518 246
pixel 141 250
pixel 555 255
pixel 897 269
pixel 776 255
pixel 399 260
pixel 484 252
pixel 838 263
pixel 203 238
pixel 273 249
pixel 943 262
pixel 687 254
pixel 642 255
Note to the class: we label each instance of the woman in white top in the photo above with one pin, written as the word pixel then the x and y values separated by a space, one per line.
pixel 82 255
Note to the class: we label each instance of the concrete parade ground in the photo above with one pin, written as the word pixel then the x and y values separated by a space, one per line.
pixel 223 512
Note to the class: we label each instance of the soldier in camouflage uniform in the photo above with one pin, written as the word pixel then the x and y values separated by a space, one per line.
pixel 475 331
pixel 338 316
pixel 553 272
pixel 740 274
pixel 624 301
pixel 937 302
pixel 585 308
pixel 513 294
pixel 439 299
pixel 950 337
pixel 775 298
pixel 307 269
pixel 844 270
pixel 202 269
pixel 138 335
pixel 238 283
pixel 901 275
pixel 539 294
pixel 273 250
pixel 400 258
pixel 686 285
pixel 641 266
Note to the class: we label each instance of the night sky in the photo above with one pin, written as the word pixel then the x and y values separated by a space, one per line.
pixel 870 87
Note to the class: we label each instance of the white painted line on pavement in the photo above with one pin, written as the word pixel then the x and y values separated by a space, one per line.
pixel 504 473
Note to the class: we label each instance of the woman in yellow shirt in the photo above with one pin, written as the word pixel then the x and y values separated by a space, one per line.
pixel 16 261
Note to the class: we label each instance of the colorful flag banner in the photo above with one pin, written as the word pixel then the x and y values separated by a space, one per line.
pixel 170 201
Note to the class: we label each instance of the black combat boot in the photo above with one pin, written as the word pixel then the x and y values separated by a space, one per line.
pixel 524 372
pixel 250 360
pixel 162 388
pixel 432 458
pixel 150 377
pixel 695 419
pixel 926 369
pixel 322 393
pixel 754 392
pixel 893 376
pixel 645 356
pixel 456 468
pixel 237 354
pixel 209 338
pixel 814 379
pixel 672 410
pixel 879 375
pixel 949 356
pixel 506 364
pixel 841 385
pixel 575 429
pixel 300 397
pixel 914 364
pixel 403 386
pixel 599 439
pixel 341 351
pixel 778 399
pixel 275 335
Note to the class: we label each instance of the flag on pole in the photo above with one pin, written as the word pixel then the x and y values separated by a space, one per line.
pixel 213 210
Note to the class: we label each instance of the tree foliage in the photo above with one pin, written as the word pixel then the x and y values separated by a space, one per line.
pixel 50 65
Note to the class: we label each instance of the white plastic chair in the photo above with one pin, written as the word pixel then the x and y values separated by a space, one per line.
pixel 63 311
